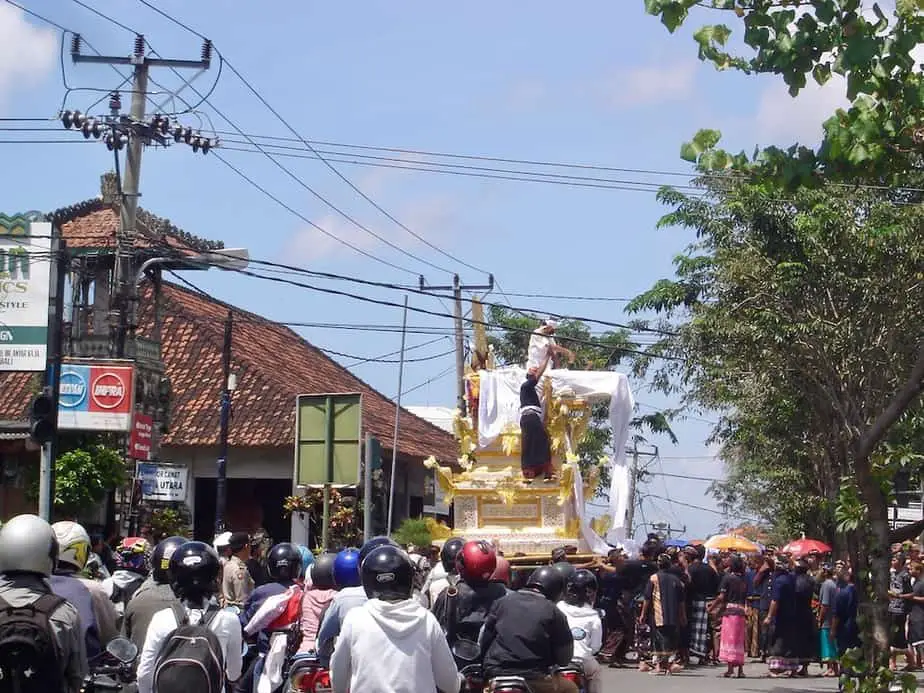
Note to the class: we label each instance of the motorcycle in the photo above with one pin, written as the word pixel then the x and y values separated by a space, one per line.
pixel 508 684
pixel 306 675
pixel 467 654
pixel 574 671
pixel 114 677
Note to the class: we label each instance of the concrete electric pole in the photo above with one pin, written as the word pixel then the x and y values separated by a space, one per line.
pixel 457 288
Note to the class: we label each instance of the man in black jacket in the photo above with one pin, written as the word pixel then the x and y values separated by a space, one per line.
pixel 526 635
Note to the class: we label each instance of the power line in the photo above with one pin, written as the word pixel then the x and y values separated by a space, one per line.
pixel 441 374
pixel 383 360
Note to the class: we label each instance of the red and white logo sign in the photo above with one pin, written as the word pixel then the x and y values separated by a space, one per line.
pixel 108 391
pixel 141 438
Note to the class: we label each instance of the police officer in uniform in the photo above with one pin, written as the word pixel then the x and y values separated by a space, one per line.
pixel 236 583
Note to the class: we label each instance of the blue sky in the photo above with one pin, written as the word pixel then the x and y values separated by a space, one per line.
pixel 601 86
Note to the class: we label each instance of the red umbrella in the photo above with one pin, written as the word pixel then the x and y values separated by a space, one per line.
pixel 803 547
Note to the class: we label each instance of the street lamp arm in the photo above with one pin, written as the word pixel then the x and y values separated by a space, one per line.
pixel 229 258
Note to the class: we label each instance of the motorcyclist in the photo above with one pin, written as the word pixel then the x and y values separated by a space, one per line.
pixel 578 608
pixel 316 600
pixel 347 597
pixel 97 613
pixel 442 575
pixel 526 635
pixel 154 595
pixel 391 643
pixel 28 555
pixel 461 609
pixel 284 565
pixel 132 558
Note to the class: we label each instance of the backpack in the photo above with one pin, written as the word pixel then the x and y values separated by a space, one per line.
pixel 191 658
pixel 29 661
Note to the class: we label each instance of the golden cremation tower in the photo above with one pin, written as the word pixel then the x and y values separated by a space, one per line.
pixel 491 498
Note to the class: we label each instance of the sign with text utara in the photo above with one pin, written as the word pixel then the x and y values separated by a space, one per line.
pixel 97 396
pixel 163 482
pixel 25 275
pixel 328 439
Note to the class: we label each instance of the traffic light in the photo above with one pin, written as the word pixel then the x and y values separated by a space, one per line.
pixel 41 417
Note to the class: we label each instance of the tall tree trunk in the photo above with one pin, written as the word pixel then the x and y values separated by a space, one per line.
pixel 878 551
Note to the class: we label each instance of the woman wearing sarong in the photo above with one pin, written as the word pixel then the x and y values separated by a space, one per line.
pixel 733 591
pixel 535 447
pixel 783 656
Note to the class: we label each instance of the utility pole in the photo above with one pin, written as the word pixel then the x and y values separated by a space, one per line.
pixel 633 482
pixel 394 443
pixel 221 494
pixel 457 288
pixel 138 133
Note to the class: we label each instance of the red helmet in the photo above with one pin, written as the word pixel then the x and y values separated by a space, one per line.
pixel 476 561
pixel 502 571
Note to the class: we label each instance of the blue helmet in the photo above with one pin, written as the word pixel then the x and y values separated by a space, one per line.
pixel 307 558
pixel 346 569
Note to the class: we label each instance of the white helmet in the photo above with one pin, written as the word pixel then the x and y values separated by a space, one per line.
pixel 28 545
pixel 73 544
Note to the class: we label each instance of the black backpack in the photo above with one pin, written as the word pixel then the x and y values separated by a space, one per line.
pixel 191 658
pixel 29 661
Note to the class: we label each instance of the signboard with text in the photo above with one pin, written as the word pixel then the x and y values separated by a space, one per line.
pixel 141 438
pixel 25 275
pixel 96 397
pixel 163 482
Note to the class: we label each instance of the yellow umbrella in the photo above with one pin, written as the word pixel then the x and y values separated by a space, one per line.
pixel 731 542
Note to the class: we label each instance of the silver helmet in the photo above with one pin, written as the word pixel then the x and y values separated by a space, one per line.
pixel 28 545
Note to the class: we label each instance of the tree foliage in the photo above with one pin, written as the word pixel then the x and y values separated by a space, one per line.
pixel 83 477
pixel 603 351
pixel 878 138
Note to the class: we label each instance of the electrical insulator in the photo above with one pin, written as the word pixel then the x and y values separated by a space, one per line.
pixel 207 52
pixel 115 102
pixel 177 133
pixel 206 145
pixel 78 119
pixel 75 44
pixel 139 45
pixel 187 135
pixel 195 143
pixel 67 119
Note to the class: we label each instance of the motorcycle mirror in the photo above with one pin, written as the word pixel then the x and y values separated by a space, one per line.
pixel 466 650
pixel 578 633
pixel 122 649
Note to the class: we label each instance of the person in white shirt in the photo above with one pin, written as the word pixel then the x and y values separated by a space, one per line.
pixel 585 623
pixel 391 644
pixel 542 342
pixel 443 573
pixel 193 572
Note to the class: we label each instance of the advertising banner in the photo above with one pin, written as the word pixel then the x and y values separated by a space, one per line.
pixel 25 270
pixel 96 397
pixel 141 438
pixel 328 439
pixel 163 482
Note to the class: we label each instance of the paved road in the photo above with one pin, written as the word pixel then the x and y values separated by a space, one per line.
pixel 709 680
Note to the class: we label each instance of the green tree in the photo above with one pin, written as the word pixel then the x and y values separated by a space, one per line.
pixel 799 319
pixel 879 138
pixel 83 477
pixel 592 352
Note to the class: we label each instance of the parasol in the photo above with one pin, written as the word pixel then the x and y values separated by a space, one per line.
pixel 731 542
pixel 803 547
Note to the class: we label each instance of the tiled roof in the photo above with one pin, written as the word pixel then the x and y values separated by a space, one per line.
pixel 273 364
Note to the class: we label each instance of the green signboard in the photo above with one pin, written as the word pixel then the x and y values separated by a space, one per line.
pixel 328 439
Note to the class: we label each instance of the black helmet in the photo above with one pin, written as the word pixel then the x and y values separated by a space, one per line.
pixel 284 562
pixel 580 588
pixel 448 553
pixel 566 570
pixel 372 544
pixel 322 571
pixel 388 574
pixel 194 570
pixel 547 580
pixel 160 558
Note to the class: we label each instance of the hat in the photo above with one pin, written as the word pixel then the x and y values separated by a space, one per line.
pixel 238 540
pixel 222 540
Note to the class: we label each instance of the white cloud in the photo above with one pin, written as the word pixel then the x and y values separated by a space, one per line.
pixel 782 119
pixel 430 217
pixel 27 53
pixel 650 85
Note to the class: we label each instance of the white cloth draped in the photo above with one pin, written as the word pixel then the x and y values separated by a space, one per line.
pixel 499 407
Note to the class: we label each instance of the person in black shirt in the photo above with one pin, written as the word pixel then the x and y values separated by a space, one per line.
pixel 664 609
pixel 526 635
pixel 704 586
pixel 535 447
pixel 730 602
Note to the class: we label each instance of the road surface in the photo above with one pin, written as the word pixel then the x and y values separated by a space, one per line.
pixel 709 680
